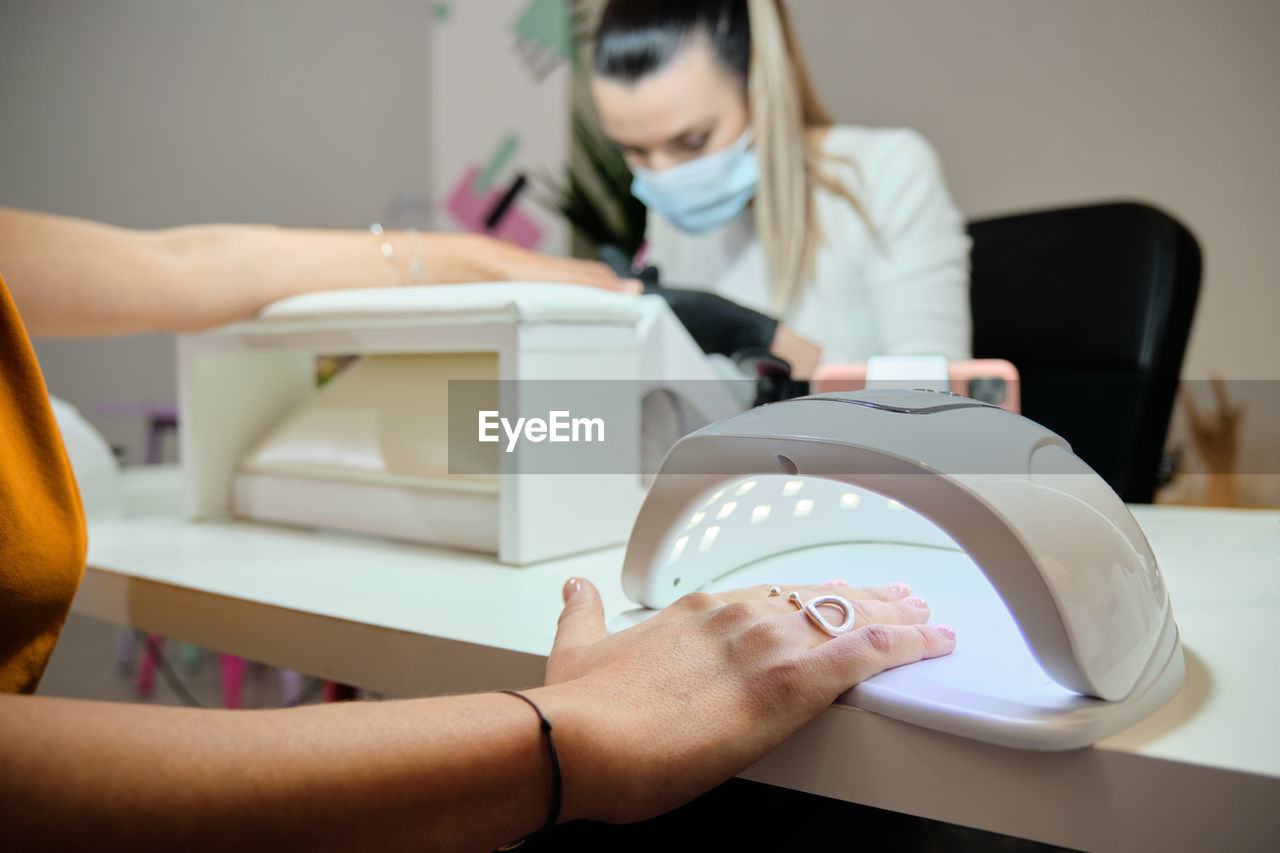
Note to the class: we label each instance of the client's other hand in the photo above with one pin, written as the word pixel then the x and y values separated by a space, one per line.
pixel 502 261
pixel 718 325
pixel 650 717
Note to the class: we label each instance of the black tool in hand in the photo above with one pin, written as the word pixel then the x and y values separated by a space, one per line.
pixel 717 324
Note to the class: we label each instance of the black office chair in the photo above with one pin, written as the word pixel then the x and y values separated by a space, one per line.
pixel 1093 305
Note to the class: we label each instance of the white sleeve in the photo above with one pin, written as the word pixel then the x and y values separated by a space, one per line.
pixel 918 277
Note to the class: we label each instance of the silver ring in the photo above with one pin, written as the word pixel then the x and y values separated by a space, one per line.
pixel 775 590
pixel 810 609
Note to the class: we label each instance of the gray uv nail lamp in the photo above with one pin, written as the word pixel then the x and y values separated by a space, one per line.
pixel 1066 634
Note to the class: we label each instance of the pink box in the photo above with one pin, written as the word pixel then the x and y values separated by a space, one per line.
pixel 470 210
pixel 853 377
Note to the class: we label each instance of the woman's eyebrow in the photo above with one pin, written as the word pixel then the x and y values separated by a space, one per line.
pixel 702 129
pixel 625 146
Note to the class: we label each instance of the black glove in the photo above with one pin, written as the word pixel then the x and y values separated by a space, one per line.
pixel 717 324
pixel 772 375
pixel 618 261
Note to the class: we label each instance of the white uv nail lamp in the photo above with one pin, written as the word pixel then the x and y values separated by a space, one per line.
pixel 1066 634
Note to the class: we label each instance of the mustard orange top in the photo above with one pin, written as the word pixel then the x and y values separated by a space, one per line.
pixel 42 532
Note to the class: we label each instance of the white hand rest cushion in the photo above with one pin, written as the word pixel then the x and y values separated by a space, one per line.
pixel 463 304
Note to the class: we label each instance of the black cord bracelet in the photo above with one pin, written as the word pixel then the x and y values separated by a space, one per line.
pixel 557 790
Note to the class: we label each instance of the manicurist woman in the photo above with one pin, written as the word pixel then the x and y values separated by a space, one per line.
pixel 845 235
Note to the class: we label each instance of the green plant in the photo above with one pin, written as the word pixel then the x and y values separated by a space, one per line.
pixel 594 193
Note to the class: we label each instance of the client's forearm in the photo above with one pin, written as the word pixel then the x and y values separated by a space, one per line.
pixel 221 273
pixel 456 773
pixel 76 277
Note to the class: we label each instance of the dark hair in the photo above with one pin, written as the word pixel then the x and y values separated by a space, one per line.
pixel 638 37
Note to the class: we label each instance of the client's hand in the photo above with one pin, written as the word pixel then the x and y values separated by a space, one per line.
pixel 648 718
pixel 504 261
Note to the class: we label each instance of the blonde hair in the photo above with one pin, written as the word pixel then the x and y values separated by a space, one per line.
pixel 784 107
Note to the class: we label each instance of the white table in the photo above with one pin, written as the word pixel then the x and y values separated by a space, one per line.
pixel 1202 773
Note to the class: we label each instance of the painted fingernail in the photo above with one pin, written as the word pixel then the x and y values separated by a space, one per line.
pixel 947 631
pixel 837 582
pixel 917 601
pixel 898 589
pixel 572 587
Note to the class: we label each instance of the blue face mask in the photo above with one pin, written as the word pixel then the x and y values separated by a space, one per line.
pixel 705 192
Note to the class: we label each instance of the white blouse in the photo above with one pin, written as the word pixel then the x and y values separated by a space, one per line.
pixel 905 294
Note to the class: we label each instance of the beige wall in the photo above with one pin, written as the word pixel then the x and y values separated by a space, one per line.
pixel 148 113
pixel 335 113
pixel 1033 103
pixel 1038 103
